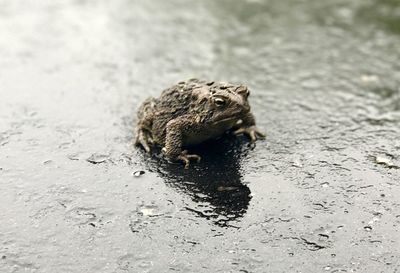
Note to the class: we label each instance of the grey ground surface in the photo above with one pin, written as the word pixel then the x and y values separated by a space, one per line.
pixel 320 194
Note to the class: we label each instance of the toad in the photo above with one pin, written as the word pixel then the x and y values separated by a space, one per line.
pixel 192 112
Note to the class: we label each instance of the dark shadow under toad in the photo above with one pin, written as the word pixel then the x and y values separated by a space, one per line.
pixel 215 184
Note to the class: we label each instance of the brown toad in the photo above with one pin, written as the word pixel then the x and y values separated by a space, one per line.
pixel 191 112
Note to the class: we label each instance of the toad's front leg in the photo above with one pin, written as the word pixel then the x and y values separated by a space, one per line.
pixel 174 140
pixel 249 128
pixel 252 132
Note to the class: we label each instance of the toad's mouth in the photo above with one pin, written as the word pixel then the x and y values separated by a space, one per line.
pixel 234 117
pixel 227 119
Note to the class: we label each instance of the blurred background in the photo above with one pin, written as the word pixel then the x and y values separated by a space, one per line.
pixel 320 194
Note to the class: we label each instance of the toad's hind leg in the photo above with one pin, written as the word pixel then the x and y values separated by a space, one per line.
pixel 144 139
pixel 143 133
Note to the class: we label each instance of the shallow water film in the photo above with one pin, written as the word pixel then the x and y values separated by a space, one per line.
pixel 320 194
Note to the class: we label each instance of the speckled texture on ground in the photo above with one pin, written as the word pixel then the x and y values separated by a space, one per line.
pixel 320 194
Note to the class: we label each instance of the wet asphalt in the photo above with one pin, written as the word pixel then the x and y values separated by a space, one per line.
pixel 320 194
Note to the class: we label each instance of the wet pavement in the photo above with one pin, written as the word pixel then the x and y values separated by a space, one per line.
pixel 320 194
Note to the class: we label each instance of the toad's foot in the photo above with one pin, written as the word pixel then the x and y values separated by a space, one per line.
pixel 253 132
pixel 144 139
pixel 186 158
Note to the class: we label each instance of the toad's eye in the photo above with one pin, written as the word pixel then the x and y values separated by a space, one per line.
pixel 219 102
pixel 245 92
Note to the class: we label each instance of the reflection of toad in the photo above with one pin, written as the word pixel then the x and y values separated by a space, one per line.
pixel 214 185
pixel 190 113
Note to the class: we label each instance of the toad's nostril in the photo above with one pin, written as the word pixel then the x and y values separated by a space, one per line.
pixel 246 108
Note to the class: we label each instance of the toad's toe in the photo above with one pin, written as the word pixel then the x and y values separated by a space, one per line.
pixel 145 140
pixel 253 132
pixel 186 158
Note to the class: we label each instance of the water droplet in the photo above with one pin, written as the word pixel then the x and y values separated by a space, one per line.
pixel 297 163
pixel 324 184
pixel 148 211
pixel 228 188
pixel 323 236
pixel 327 268
pixel 382 160
pixel 385 162
pixel 369 79
pixel 97 158
pixel 74 156
pixel 138 173
pixel 368 228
